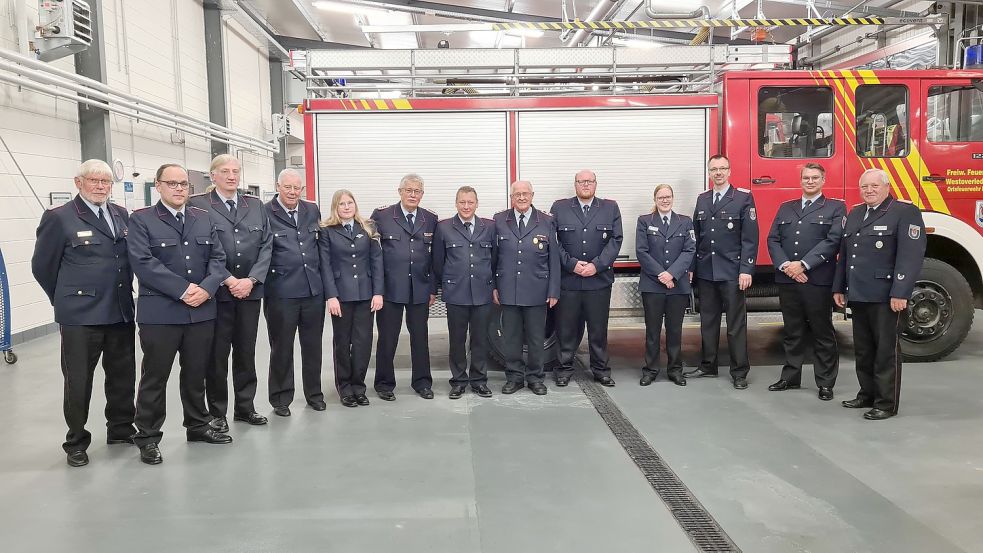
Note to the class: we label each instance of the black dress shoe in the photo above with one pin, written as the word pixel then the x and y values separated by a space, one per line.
pixel 386 396
pixel 856 403
pixel 512 387
pixel 699 373
pixel 825 393
pixel 646 380
pixel 783 385
pixel 116 441
pixel 150 454
pixel 219 424
pixel 78 458
pixel 425 393
pixel 209 436
pixel 878 415
pixel 456 392
pixel 482 390
pixel 349 401
pixel 562 381
pixel 740 383
pixel 604 381
pixel 678 379
pixel 318 405
pixel 253 418
pixel 361 399
pixel 538 388
pixel 282 411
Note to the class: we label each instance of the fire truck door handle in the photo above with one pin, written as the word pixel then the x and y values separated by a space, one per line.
pixel 933 178
pixel 763 180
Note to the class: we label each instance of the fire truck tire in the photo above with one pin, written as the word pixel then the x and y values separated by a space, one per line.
pixel 939 315
pixel 551 348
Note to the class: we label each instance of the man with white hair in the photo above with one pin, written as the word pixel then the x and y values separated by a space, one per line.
pixel 244 230
pixel 80 261
pixel 880 259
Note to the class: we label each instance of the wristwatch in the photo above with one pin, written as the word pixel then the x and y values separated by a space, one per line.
pixel 253 279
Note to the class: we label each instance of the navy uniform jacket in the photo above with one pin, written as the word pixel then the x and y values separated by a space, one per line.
pixel 660 249
pixel 406 255
pixel 465 262
pixel 84 271
pixel 356 263
pixel 811 236
pixel 595 238
pixel 166 259
pixel 726 235
pixel 296 270
pixel 880 258
pixel 527 266
pixel 247 240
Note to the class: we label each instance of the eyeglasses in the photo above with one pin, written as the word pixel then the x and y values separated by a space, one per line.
pixel 876 186
pixel 413 191
pixel 176 184
pixel 585 181
pixel 522 194
pixel 663 198
pixel 292 188
pixel 103 182
pixel 812 179
pixel 719 169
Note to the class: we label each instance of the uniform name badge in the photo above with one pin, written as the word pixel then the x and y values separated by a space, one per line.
pixel 652 228
pixel 83 233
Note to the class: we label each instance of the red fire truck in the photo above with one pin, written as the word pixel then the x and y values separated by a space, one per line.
pixel 925 128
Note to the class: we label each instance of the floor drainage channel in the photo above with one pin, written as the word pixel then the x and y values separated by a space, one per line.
pixel 694 519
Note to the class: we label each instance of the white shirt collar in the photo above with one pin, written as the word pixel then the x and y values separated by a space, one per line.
pixel 463 221
pixel 528 214
pixel 171 209
pixel 723 191
pixel 807 198
pixel 666 214
pixel 582 204
pixel 234 198
pixel 287 209
pixel 94 207
pixel 405 213
pixel 348 222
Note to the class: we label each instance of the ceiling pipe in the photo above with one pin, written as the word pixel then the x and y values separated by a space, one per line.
pixel 830 30
pixel 702 12
pixel 601 11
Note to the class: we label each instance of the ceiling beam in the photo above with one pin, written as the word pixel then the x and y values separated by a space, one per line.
pixel 297 43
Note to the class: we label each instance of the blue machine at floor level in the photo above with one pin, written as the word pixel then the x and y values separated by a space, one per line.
pixel 8 352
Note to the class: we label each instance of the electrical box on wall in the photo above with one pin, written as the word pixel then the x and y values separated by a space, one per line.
pixel 64 28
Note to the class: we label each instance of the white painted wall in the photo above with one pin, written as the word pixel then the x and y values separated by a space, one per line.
pixel 154 49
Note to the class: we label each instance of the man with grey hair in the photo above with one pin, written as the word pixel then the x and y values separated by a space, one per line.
pixel 244 230
pixel 407 233
pixel 880 258
pixel 80 261
pixel 294 297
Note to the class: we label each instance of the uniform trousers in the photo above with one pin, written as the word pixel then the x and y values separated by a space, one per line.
pixel 81 347
pixel 236 325
pixel 658 308
pixel 467 329
pixel 352 346
pixel 285 319
pixel 576 306
pixel 807 312
pixel 390 321
pixel 523 325
pixel 877 344
pixel 192 343
pixel 716 298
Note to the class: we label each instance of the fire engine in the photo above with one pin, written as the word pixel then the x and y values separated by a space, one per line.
pixel 511 121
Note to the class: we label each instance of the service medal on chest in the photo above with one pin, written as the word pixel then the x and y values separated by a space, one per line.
pixel 604 236
pixel 540 246
pixel 535 240
pixel 878 244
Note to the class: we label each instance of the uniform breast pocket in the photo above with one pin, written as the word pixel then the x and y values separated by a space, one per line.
pixel 156 243
pixel 204 242
pixel 85 248
pixel 279 235
pixel 485 248
pixel 315 231
pixel 390 237
pixel 605 231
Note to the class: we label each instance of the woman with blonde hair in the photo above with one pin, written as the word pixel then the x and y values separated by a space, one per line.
pixel 351 267
pixel 665 245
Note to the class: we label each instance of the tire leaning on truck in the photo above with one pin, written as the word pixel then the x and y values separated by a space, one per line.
pixel 939 315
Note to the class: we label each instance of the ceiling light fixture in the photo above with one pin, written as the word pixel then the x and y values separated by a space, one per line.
pixel 528 33
pixel 342 7
pixel 636 43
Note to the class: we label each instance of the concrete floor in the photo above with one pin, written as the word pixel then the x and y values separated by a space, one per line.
pixel 780 472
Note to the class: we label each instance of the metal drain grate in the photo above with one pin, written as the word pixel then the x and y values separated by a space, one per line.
pixel 702 529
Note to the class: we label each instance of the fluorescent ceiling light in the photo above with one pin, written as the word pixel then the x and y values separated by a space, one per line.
pixel 342 7
pixel 528 33
pixel 636 43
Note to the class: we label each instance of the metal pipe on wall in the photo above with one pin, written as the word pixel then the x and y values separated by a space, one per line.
pixel 601 11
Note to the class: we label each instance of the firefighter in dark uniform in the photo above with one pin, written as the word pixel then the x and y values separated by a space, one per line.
pixel 588 230
pixel 294 301
pixel 407 233
pixel 244 231
pixel 803 243
pixel 527 283
pixel 880 259
pixel 463 260
pixel 179 262
pixel 665 245
pixel 80 261
pixel 726 227
pixel 350 247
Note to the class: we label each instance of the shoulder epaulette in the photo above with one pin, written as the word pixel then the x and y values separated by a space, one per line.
pixel 745 190
pixel 198 208
pixel 144 208
pixel 857 205
pixel 905 201
pixel 198 195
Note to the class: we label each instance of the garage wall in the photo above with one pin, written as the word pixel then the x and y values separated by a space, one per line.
pixel 154 49
pixel 846 38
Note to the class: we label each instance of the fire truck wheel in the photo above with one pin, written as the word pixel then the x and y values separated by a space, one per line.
pixel 939 313
pixel 551 349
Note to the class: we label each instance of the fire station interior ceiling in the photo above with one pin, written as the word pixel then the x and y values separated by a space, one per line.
pixel 340 26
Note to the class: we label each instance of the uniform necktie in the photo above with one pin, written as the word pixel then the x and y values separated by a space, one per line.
pixel 586 209
pixel 293 216
pixel 180 219
pixel 522 223
pixel 348 227
pixel 870 210
pixel 716 198
pixel 103 219
pixel 232 207
pixel 468 226
pixel 665 221
pixel 807 204
pixel 409 219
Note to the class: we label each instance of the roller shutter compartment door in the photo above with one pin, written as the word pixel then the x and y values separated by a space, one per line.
pixel 368 153
pixel 630 150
